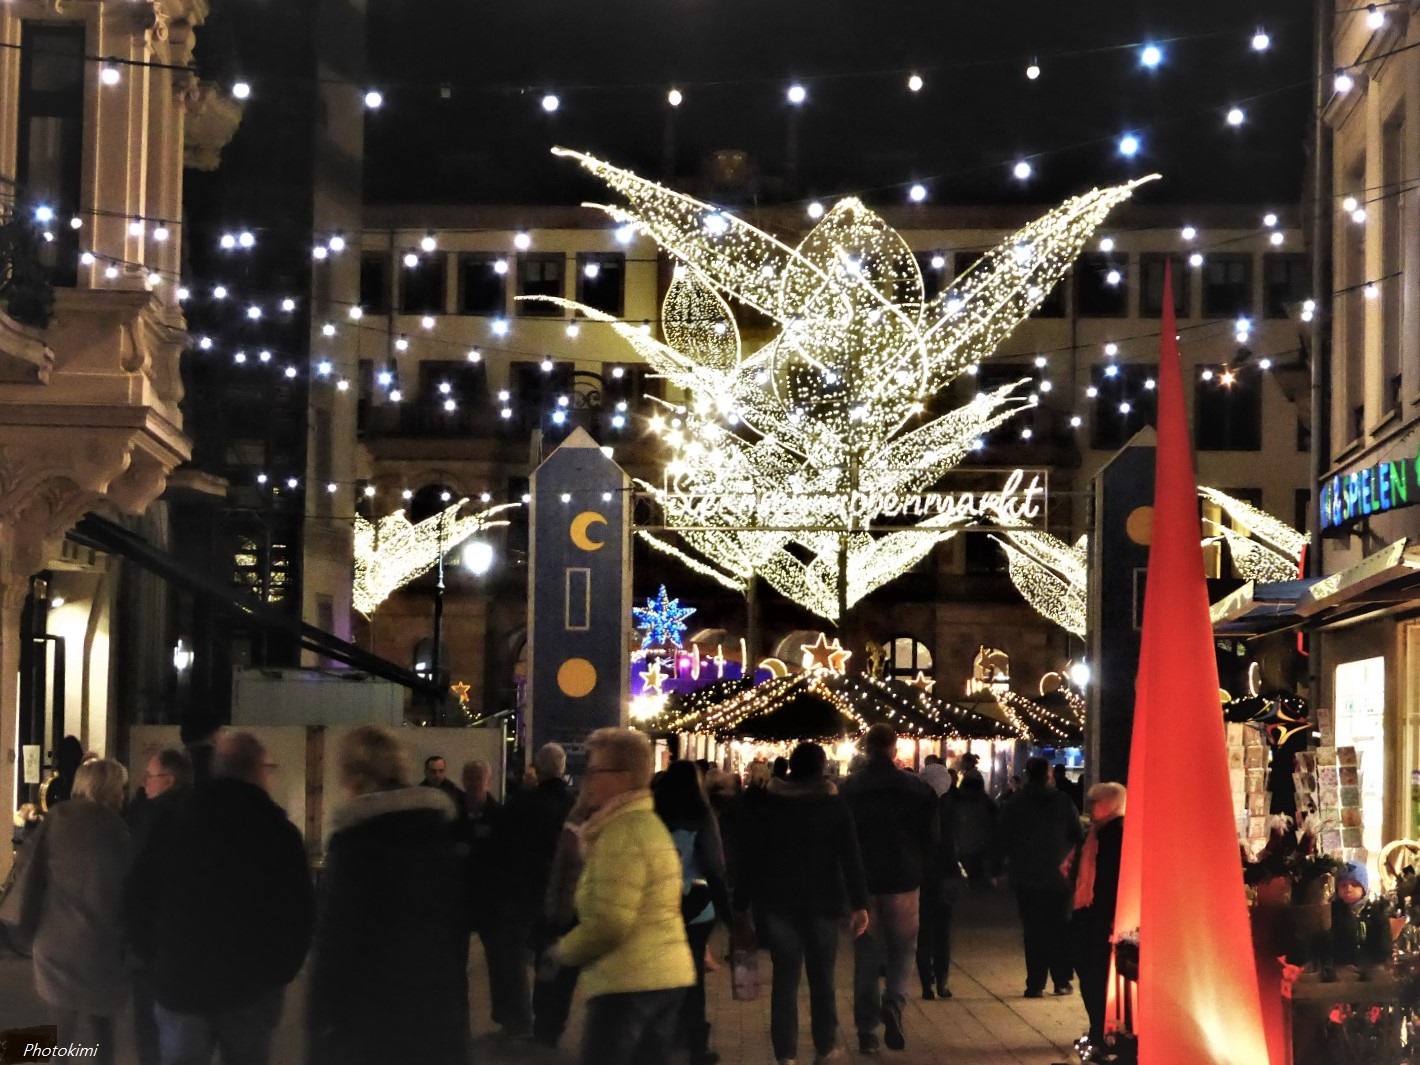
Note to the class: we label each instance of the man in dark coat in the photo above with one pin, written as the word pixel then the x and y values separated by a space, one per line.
pixel 221 910
pixel 436 775
pixel 527 839
pixel 940 883
pixel 1039 827
pixel 800 872
pixel 897 820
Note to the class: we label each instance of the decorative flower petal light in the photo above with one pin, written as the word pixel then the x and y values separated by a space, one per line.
pixel 783 456
pixel 1052 575
pixel 392 552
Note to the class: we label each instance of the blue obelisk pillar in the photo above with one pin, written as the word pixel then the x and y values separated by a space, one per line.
pixel 579 596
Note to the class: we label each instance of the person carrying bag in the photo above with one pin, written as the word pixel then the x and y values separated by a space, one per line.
pixel 22 898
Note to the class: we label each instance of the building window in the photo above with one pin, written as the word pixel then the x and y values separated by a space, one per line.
pixel 1151 285
pixel 1102 285
pixel 1392 210
pixel 1286 280
pixel 375 282
pixel 907 657
pixel 1227 286
pixel 1227 410
pixel 540 275
pixel 983 556
pixel 1053 306
pixel 482 289
pixel 421 287
pixel 50 159
pixel 1124 402
pixel 1351 330
pixel 535 391
pixel 1301 509
pixel 601 281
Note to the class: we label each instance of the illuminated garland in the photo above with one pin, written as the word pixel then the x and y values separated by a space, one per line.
pixel 834 406
pixel 391 553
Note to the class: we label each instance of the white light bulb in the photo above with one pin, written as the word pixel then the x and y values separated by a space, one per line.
pixel 1046 386
pixel 624 235
pixel 504 395
pixel 1269 220
pixel 1022 170
pixel 411 260
pixel 1188 233
pixel 550 103
pixel 522 241
pixel 342 385
pixel 1128 145
pixel 917 193
pixel 573 329
pixel 1124 407
pixel 135 229
pixel 1277 238
pixel 914 83
pixel 76 222
pixel 219 292
pixel 1349 204
pixel 591 270
pixel 499 327
pixel 1260 41
pixel 320 252
pixel 500 266
pixel 332 488
pixel 1375 17
pixel 369 491
pixel 261 478
pixel 401 343
pixel 357 312
pixel 1150 384
pixel 445 388
pixel 328 329
pixel 44 214
pixel 264 355
pixel 182 293
pixel 797 94
pixel 1033 71
pixel 474 355
pixel 254 312
pixel 247 239
pixel 675 98
pixel 1196 259
pixel 450 405
pixel 815 210
pixel 1106 244
pixel 1113 278
pixel 1111 349
pixel 1264 364
pixel 228 242
pixel 385 378
pixel 427 321
pixel 1236 116
pixel 161 233
pixel 291 372
pixel 1151 56
pixel 429 243
pixel 291 482
pixel 1207 375
pixel 324 367
pixel 1371 291
pixel 506 413
pixel 396 396
pixel 241 90
pixel 1358 215
pixel 1075 421
pixel 374 99
pixel 288 304
pixel 239 357
pixel 205 343
pixel 109 75
pixel 547 365
pixel 1344 82
pixel 1111 370
pixel 939 262
pixel 336 243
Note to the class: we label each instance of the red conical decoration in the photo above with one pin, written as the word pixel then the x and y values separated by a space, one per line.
pixel 1198 1001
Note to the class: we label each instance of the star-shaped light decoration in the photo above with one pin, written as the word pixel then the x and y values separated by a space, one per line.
pixel 923 681
pixel 661 620
pixel 653 677
pixel 461 689
pixel 824 655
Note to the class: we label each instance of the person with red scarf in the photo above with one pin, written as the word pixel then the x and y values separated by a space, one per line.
pixel 1094 870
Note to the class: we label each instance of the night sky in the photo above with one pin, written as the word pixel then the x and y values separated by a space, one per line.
pixel 463 80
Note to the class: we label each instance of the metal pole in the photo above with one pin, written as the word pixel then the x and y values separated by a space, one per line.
pixel 438 628
pixel 751 626
pixel 1322 292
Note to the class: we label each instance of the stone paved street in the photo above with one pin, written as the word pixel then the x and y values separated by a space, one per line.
pixel 987 1022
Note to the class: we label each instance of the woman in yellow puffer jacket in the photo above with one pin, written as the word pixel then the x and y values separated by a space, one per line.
pixel 630 938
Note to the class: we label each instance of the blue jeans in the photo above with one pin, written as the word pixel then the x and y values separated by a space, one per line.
pixel 243 1033
pixel 799 942
pixel 631 1028
pixel 889 946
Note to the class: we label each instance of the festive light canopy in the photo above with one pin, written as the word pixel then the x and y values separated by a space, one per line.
pixel 784 457
pixel 393 551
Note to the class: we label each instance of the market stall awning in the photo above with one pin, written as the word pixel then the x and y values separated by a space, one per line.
pixel 1388 576
pixel 1257 609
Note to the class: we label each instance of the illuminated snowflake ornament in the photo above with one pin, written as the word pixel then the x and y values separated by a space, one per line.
pixel 783 455
pixel 661 620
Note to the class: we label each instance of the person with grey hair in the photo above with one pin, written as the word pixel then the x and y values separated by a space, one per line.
pixel 220 908
pixel 527 835
pixel 387 961
pixel 1094 874
pixel 79 941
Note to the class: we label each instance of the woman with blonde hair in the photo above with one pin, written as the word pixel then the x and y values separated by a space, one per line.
pixel 79 941
pixel 1095 872
pixel 389 956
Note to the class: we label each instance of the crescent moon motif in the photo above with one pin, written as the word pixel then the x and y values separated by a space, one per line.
pixel 580 526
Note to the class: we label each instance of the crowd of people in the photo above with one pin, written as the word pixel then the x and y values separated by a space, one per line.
pixel 197 899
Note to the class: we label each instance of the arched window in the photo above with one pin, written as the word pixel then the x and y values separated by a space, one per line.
pixel 906 657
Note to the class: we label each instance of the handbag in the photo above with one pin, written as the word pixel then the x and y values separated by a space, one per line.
pixel 22 899
pixel 744 963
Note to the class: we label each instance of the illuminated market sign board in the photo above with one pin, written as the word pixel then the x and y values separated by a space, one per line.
pixel 1020 499
pixel 1385 486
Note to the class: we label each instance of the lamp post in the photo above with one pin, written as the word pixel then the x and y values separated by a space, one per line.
pixel 434 654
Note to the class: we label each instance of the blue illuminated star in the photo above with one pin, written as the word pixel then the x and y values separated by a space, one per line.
pixel 662 620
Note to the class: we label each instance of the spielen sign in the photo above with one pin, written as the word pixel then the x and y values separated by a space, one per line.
pixel 1375 489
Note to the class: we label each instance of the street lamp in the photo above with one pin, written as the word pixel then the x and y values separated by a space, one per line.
pixel 478 557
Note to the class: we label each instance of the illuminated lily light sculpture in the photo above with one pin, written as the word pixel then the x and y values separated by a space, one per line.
pixel 1051 575
pixel 789 461
pixel 394 551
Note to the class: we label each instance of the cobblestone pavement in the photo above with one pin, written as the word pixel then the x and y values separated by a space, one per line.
pixel 986 1022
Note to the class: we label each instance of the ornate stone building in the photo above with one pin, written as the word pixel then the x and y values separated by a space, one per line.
pixel 94 97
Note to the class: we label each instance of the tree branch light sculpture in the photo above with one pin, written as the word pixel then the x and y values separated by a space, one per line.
pixel 785 460
pixel 393 551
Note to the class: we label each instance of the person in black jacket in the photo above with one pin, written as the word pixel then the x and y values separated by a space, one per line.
pixel 526 839
pixel 800 873
pixel 897 820
pixel 1095 876
pixel 220 910
pixel 388 965
pixel 1039 827
pixel 940 883
pixel 476 842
